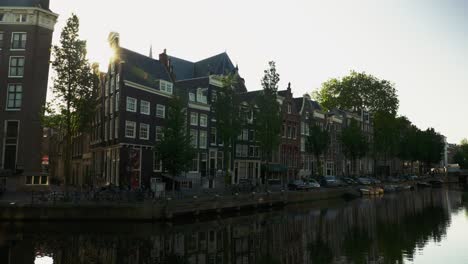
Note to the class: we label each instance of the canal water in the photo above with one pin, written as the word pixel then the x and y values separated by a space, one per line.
pixel 425 226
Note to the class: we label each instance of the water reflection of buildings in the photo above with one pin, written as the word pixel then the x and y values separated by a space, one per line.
pixel 380 230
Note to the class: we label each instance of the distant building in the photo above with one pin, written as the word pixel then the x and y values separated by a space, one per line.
pixel 26 28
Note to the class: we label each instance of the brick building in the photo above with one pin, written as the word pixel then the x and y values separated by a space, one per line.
pixel 26 28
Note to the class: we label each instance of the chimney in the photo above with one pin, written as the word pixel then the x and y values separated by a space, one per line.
pixel 44 4
pixel 164 59
pixel 289 87
pixel 114 39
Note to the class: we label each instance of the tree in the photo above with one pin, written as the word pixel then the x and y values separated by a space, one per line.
pixel 461 156
pixel 228 123
pixel 432 147
pixel 354 142
pixel 268 122
pixel 74 89
pixel 317 143
pixel 175 148
pixel 359 91
pixel 387 129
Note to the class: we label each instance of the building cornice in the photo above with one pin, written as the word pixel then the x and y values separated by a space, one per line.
pixel 146 88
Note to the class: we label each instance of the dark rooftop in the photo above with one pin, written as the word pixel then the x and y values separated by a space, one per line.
pixel 44 4
pixel 142 69
pixel 219 64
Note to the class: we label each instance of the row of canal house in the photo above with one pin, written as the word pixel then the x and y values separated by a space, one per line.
pixel 133 101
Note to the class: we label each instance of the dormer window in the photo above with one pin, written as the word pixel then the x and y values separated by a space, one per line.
pixel 165 86
pixel 201 97
pixel 21 18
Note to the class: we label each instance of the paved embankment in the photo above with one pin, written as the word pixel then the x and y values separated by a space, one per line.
pixel 163 209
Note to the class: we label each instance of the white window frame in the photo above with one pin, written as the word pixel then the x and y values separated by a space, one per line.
pixel 160 109
pixel 2 39
pixel 154 162
pixel 213 142
pixel 205 118
pixel 7 108
pixel 165 86
pixel 194 137
pixel 192 97
pixel 132 123
pixel 203 139
pixel 145 107
pixel 23 18
pixel 9 67
pixel 158 132
pixel 193 117
pixel 12 40
pixel 129 101
pixel 142 127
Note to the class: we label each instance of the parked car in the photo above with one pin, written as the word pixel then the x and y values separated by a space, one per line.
pixel 374 180
pixel 298 185
pixel 312 183
pixel 329 181
pixel 411 177
pixel 349 181
pixel 364 181
pixel 393 179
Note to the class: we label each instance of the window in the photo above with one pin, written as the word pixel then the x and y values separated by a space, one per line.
pixel 251 135
pixel 116 128
pixel 289 108
pixel 144 131
pixel 220 160
pixel 242 150
pixel 131 104
pixel 2 16
pixel 18 40
pixel 157 162
pixel 130 129
pixel 14 96
pixel 191 97
pixel 16 67
pixel 245 134
pixel 194 119
pixel 116 104
pixel 203 120
pixel 165 86
pixel 214 96
pixel 194 167
pixel 302 144
pixel 213 136
pixel 161 111
pixel 294 132
pixel 159 133
pixel 203 138
pixel 37 180
pixel 145 107
pixel 21 18
pixel 194 137
pixel 201 97
pixel 1 37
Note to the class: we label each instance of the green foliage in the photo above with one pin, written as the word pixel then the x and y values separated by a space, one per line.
pixel 74 89
pixel 359 91
pixel 387 129
pixel 75 84
pixel 461 156
pixel 175 149
pixel 355 144
pixel 226 106
pixel 317 142
pixel 268 122
pixel 431 147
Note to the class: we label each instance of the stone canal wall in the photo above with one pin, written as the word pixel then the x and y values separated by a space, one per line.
pixel 163 209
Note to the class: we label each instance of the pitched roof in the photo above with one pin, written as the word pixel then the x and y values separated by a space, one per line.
pixel 250 96
pixel 141 69
pixel 219 64
pixel 26 3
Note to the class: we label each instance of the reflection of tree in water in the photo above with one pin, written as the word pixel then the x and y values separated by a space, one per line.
pixel 388 230
pixel 320 252
pixel 357 244
pixel 396 239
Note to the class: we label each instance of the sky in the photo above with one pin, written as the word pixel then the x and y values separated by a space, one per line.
pixel 419 45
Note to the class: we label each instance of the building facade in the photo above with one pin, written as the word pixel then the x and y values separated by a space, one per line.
pixel 26 29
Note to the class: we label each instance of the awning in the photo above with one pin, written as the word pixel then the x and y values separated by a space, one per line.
pixel 275 167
